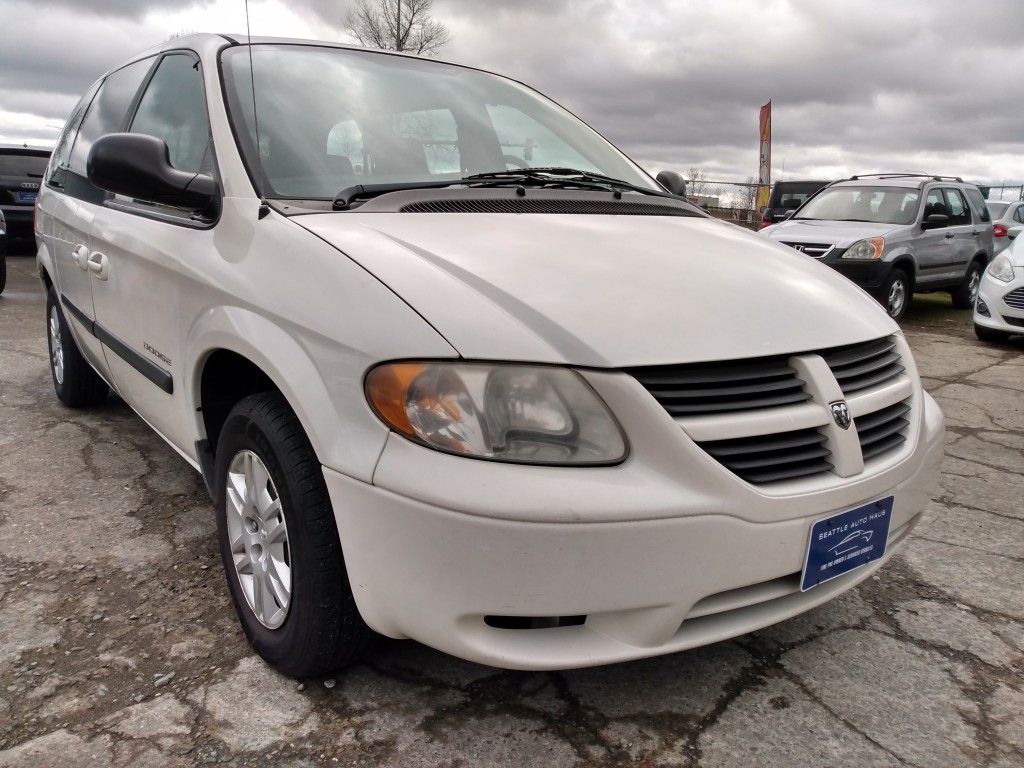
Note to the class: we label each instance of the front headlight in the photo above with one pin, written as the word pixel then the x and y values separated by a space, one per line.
pixel 865 250
pixel 516 413
pixel 1001 269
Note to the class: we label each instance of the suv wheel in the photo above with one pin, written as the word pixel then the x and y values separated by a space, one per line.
pixel 895 296
pixel 280 544
pixel 3 272
pixel 965 294
pixel 77 385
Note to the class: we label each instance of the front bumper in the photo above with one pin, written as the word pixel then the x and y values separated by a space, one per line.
pixel 869 275
pixel 992 296
pixel 665 552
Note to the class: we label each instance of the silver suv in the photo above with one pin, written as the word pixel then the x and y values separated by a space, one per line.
pixel 896 234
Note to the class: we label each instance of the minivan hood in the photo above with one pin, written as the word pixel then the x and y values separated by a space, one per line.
pixel 841 234
pixel 603 290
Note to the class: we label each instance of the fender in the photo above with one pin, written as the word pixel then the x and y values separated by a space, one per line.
pixel 328 402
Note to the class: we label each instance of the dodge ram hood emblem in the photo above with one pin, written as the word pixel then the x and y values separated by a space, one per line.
pixel 841 414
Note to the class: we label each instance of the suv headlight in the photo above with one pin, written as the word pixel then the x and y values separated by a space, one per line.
pixel 865 250
pixel 1001 269
pixel 516 413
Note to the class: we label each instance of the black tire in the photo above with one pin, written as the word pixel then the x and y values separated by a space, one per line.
pixel 990 334
pixel 3 272
pixel 896 294
pixel 76 383
pixel 321 630
pixel 965 294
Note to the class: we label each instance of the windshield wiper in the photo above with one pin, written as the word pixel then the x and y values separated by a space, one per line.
pixel 562 177
pixel 364 191
pixel 539 177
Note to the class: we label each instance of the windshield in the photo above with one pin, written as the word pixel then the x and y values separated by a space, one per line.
pixel 884 205
pixel 333 118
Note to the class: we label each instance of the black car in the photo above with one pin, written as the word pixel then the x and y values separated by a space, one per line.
pixel 3 252
pixel 21 171
pixel 786 197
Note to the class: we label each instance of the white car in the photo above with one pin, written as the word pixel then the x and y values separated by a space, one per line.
pixel 999 311
pixel 1007 221
pixel 456 369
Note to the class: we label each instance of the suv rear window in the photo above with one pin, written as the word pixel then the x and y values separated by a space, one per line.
pixel 22 165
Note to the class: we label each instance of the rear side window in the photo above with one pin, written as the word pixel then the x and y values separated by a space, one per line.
pixel 108 110
pixel 173 108
pixel 958 213
pixel 978 203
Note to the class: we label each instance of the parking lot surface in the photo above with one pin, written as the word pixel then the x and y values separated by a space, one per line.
pixel 119 646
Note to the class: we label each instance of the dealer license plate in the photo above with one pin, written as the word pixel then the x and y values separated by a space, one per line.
pixel 844 542
pixel 26 197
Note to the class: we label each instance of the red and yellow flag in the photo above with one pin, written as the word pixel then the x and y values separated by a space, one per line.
pixel 764 178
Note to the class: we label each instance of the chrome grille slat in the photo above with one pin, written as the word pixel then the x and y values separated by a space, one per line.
pixel 883 431
pixel 722 387
pixel 861 366
pixel 715 397
pixel 1015 298
pixel 774 457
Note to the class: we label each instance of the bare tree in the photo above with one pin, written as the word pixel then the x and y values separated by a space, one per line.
pixel 397 25
pixel 696 182
pixel 749 196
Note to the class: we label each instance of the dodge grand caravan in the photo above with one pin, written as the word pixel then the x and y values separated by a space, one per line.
pixel 455 369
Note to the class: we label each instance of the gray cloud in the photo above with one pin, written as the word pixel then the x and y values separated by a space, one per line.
pixel 856 85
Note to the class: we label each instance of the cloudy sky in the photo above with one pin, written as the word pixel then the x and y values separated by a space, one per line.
pixel 857 86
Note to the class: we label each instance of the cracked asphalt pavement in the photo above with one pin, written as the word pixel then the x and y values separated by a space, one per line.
pixel 118 644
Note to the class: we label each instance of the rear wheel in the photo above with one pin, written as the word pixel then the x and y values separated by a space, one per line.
pixel 965 294
pixel 895 296
pixel 76 383
pixel 280 544
pixel 990 334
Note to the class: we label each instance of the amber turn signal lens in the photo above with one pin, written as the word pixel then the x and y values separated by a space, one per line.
pixel 387 389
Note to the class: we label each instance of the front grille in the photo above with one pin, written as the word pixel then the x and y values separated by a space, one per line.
pixel 546 205
pixel 685 390
pixel 883 431
pixel 769 458
pixel 814 250
pixel 768 419
pixel 1014 321
pixel 1015 298
pixel 860 366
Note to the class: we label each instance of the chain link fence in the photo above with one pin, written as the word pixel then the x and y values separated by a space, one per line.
pixel 726 200
pixel 1003 193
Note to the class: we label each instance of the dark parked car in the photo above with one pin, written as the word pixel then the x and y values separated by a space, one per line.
pixel 3 252
pixel 21 170
pixel 786 197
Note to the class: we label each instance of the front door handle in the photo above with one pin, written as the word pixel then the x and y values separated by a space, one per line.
pixel 99 265
pixel 81 256
pixel 949 235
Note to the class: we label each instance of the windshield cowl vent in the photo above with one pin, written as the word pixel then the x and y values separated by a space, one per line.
pixel 528 205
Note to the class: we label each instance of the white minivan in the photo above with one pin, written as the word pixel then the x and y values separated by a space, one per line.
pixel 455 369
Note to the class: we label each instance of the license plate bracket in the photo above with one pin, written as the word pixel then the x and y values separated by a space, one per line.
pixel 846 541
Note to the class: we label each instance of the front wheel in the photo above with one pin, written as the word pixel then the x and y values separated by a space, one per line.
pixel 965 294
pixel 895 296
pixel 280 546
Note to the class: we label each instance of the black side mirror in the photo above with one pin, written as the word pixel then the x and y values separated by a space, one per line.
pixel 672 182
pixel 935 221
pixel 139 166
